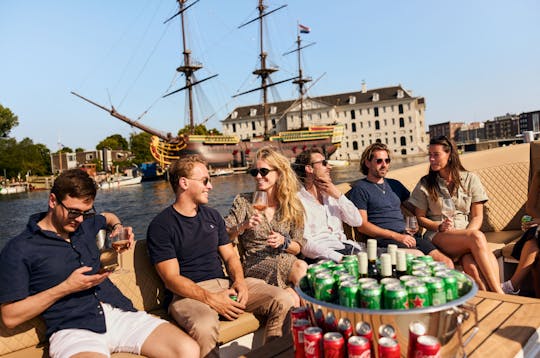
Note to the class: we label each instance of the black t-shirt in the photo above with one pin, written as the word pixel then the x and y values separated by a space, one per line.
pixel 194 241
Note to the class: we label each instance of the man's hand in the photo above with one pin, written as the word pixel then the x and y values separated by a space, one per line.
pixel 78 281
pixel 223 304
pixel 241 291
pixel 527 225
pixel 407 240
pixel 325 185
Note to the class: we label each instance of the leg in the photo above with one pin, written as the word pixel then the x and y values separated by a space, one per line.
pixel 272 302
pixel 536 277
pixel 298 270
pixel 79 343
pixel 526 261
pixel 439 256
pixel 471 269
pixel 168 340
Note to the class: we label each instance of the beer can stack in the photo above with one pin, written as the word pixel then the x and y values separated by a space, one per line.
pixel 418 282
pixel 326 338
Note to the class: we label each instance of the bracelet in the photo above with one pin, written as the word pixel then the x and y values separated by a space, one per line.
pixel 286 242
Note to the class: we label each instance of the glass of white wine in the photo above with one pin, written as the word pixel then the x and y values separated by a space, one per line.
pixel 411 225
pixel 448 208
pixel 120 243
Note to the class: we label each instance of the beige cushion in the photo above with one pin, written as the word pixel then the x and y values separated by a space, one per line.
pixel 503 237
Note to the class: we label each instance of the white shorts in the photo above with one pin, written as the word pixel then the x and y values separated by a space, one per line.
pixel 126 332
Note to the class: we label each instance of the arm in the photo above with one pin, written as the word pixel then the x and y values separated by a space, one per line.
pixel 477 216
pixel 15 313
pixel 373 230
pixel 532 198
pixel 235 271
pixel 348 212
pixel 114 224
pixel 427 223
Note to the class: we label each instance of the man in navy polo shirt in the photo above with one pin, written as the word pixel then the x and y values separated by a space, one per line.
pixel 56 264
pixel 187 242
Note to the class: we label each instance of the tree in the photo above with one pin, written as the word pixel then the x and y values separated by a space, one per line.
pixel 115 141
pixel 199 130
pixel 7 121
pixel 79 150
pixel 24 157
pixel 65 150
pixel 140 148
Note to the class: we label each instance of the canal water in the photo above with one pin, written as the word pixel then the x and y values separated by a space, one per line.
pixel 137 205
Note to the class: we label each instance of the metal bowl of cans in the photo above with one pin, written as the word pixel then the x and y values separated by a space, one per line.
pixel 440 319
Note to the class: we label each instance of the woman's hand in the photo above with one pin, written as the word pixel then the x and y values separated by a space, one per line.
pixel 446 225
pixel 275 239
pixel 254 221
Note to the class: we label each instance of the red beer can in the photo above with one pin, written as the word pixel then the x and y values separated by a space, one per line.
pixel 388 348
pixel 428 347
pixel 313 338
pixel 363 329
pixel 298 329
pixel 345 328
pixel 416 329
pixel 330 322
pixel 334 345
pixel 358 347
pixel 386 330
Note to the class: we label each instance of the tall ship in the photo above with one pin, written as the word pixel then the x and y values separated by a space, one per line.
pixel 226 151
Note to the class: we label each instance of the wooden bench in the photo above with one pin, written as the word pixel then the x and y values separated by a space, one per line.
pixel 141 285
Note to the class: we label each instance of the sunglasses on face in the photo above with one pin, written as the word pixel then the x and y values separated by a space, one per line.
pixel 263 171
pixel 380 160
pixel 205 180
pixel 73 214
pixel 323 162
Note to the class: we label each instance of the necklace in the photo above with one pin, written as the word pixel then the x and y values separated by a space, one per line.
pixel 378 186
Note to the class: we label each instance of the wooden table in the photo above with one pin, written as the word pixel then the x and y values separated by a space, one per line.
pixel 509 326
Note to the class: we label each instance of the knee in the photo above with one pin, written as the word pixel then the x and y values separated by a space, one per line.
pixel 186 348
pixel 479 239
pixel 300 267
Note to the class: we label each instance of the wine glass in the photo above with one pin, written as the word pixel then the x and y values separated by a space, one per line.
pixel 448 208
pixel 120 243
pixel 260 200
pixel 411 225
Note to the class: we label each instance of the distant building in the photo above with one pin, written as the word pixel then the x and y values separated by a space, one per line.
pixel 390 115
pixel 502 127
pixel 529 121
pixel 470 132
pixel 447 129
pixel 65 161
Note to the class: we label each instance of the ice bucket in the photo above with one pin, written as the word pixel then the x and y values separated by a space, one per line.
pixel 443 321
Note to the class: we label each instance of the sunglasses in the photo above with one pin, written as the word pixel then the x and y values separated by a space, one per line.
pixel 380 160
pixel 323 162
pixel 205 180
pixel 74 213
pixel 263 171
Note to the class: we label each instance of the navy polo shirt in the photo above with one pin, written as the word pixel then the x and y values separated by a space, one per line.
pixel 37 260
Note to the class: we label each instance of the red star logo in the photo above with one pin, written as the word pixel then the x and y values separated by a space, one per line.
pixel 406 304
pixel 418 302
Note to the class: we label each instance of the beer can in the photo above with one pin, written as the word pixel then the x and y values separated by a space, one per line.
pixel 425 272
pixel 416 329
pixel 327 264
pixel 345 327
pixel 395 297
pixel 299 326
pixel 330 322
pixel 348 294
pixel 418 294
pixel 363 329
pixel 312 271
pixel 464 285
pixel 313 342
pixel 370 296
pixel 386 330
pixel 234 297
pixel 450 285
pixel 526 218
pixel 387 281
pixel 425 258
pixel 428 346
pixel 358 347
pixel 347 258
pixel 388 348
pixel 324 287
pixel 339 267
pixel 406 278
pixel 418 265
pixel 333 345
pixel 366 280
pixel 437 290
pixel 409 258
pixel 352 266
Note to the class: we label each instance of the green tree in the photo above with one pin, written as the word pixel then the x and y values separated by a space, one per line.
pixel 199 130
pixel 115 141
pixel 24 157
pixel 79 150
pixel 140 147
pixel 65 150
pixel 7 121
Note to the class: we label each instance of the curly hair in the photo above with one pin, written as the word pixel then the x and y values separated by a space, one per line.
pixel 368 155
pixel 182 168
pixel 287 186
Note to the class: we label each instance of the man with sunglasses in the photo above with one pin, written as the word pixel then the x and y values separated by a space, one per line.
pixel 52 269
pixel 326 208
pixel 379 201
pixel 187 243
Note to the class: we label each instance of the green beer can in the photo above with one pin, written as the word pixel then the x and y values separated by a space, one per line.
pixel 324 287
pixel 450 285
pixel 387 281
pixel 437 291
pixel 409 258
pixel 338 267
pixel 464 285
pixel 328 264
pixel 406 278
pixel 425 272
pixel 370 296
pixel 366 280
pixel 348 294
pixel 312 271
pixel 418 294
pixel 352 267
pixel 395 297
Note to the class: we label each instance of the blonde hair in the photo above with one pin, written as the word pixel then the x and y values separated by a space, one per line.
pixel 182 168
pixel 287 186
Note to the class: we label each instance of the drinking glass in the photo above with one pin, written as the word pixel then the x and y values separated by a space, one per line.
pixel 260 200
pixel 107 256
pixel 411 225
pixel 448 209
pixel 120 243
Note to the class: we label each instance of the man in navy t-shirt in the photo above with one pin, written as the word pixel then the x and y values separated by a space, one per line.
pixel 187 243
pixel 379 201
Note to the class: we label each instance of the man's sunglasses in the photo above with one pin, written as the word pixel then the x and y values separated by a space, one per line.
pixel 380 160
pixel 323 162
pixel 73 214
pixel 205 180
pixel 263 171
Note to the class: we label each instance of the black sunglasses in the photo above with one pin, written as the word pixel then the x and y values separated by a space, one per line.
pixel 380 160
pixel 205 180
pixel 263 171
pixel 74 213
pixel 324 162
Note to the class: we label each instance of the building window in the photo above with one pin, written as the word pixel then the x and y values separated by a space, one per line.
pixel 375 97
pixel 234 127
pixel 400 93
pixel 404 152
pixel 363 143
pixel 355 145
pixel 369 124
pixel 361 125
pixel 253 125
pixel 377 125
pixel 410 138
pixel 386 140
pixel 410 119
pixel 385 123
pixel 395 141
pixel 376 111
pixel 403 141
pixel 352 99
pixel 273 122
pixel 401 122
pixel 353 114
pixel 273 109
pixel 353 127
pixel 253 112
pixel 234 115
pixel 393 121
pixel 400 109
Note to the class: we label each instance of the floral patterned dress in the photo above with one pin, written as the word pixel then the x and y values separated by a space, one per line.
pixel 258 259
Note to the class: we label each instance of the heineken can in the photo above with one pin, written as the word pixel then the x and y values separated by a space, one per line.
pixel 352 266
pixel 387 281
pixel 437 291
pixel 418 294
pixel 339 267
pixel 340 275
pixel 324 287
pixel 312 271
pixel 406 278
pixel 370 296
pixel 395 297
pixel 464 285
pixel 450 285
pixel 327 264
pixel 425 258
pixel 418 265
pixel 421 273
pixel 409 258
pixel 348 294
pixel 366 280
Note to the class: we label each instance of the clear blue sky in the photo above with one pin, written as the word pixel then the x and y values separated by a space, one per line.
pixel 471 60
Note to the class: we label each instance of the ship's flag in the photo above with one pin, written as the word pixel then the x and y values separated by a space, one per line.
pixel 304 29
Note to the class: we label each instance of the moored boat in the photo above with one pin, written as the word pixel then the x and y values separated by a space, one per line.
pixel 119 181
pixel 12 189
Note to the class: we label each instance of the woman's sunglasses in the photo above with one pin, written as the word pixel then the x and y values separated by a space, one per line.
pixel 263 171
pixel 380 160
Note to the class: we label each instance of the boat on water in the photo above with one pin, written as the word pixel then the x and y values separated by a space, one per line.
pixel 12 189
pixel 119 181
pixel 224 151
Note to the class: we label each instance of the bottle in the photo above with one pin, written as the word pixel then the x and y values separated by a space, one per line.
pixel 392 250
pixel 386 266
pixel 363 264
pixel 401 263
pixel 373 270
